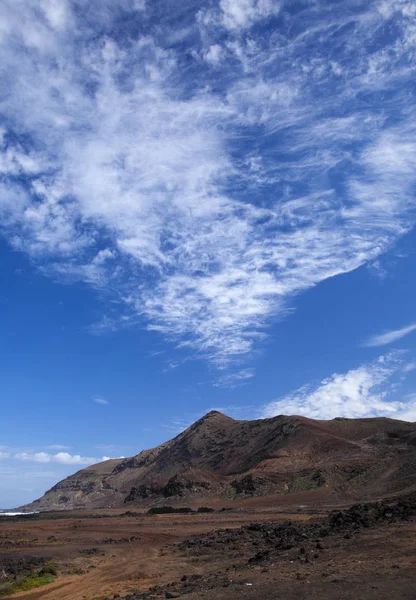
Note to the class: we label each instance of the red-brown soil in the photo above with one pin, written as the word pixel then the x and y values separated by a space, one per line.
pixel 221 459
pixel 365 553
pixel 263 473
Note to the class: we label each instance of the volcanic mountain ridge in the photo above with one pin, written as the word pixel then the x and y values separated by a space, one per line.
pixel 220 459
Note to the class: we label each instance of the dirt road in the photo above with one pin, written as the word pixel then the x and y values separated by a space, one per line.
pixel 116 556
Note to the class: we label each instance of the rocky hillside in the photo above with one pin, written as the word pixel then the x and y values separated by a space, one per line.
pixel 219 458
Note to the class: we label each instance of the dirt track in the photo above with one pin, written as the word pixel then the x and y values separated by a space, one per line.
pixel 119 566
pixel 99 558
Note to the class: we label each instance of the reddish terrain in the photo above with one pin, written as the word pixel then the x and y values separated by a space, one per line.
pixel 221 459
pixel 367 552
pixel 280 528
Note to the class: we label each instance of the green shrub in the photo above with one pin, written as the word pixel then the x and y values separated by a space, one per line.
pixel 6 588
pixel 28 583
pixel 49 569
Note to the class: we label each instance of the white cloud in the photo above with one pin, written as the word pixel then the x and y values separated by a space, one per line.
pixel 139 5
pixel 390 336
pixel 232 380
pixel 361 392
pixel 56 12
pixel 214 53
pixel 101 401
pixel 203 202
pixel 408 409
pixel 239 14
pixel 58 447
pixel 63 458
pixel 4 455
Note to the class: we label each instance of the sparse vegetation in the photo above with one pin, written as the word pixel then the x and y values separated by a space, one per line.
pixel 26 583
pixel 49 569
pixel 26 573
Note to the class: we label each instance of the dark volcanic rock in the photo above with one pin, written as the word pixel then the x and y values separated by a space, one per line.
pixel 219 457
pixel 14 564
pixel 266 540
pixel 366 515
pixel 260 545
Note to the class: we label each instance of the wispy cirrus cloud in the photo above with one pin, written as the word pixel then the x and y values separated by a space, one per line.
pixel 238 15
pixel 108 447
pixel 63 458
pixel 58 447
pixel 361 392
pixel 202 172
pixel 231 380
pixel 390 336
pixel 101 401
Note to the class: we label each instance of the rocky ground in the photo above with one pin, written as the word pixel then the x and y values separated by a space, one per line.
pixel 366 552
pixel 337 551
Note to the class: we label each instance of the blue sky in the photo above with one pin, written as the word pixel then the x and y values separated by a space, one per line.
pixel 202 205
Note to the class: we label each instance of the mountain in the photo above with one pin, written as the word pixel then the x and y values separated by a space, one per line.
pixel 220 458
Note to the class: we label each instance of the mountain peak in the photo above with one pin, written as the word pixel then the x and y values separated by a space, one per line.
pixel 220 457
pixel 213 415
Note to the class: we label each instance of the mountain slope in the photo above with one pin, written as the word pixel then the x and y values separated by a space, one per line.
pixel 219 457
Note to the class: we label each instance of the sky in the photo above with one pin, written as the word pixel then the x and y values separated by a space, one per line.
pixel 202 205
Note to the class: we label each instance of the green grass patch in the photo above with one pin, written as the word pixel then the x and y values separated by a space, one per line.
pixel 28 583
